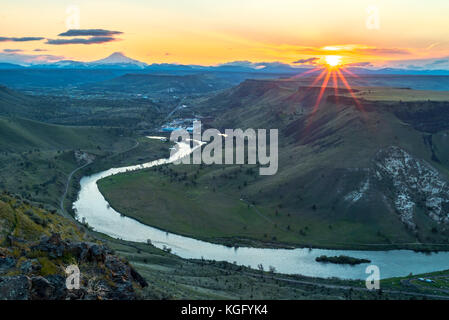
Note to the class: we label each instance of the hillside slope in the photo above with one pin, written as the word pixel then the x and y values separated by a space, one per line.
pixel 17 134
pixel 14 103
pixel 337 161
pixel 163 83
pixel 334 186
pixel 41 156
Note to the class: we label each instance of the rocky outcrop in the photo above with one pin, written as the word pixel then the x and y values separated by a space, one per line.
pixel 102 274
pixel 15 288
pixel 413 182
pixel 409 183
pixel 83 251
pixel 6 263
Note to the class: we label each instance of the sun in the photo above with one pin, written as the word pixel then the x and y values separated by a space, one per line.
pixel 330 71
pixel 333 61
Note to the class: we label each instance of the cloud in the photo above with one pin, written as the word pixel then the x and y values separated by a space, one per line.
pixel 40 50
pixel 12 50
pixel 343 50
pixel 270 64
pixel 440 62
pixel 244 63
pixel 306 61
pixel 274 66
pixel 88 32
pixel 95 36
pixel 22 39
pixel 91 40
pixel 382 51
pixel 440 45
pixel 425 63
pixel 359 64
pixel 26 59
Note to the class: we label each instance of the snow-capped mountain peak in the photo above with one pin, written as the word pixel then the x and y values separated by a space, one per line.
pixel 118 58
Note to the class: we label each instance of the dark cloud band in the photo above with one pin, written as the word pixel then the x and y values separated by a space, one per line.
pixel 12 50
pixel 22 39
pixel 88 32
pixel 91 40
pixel 302 61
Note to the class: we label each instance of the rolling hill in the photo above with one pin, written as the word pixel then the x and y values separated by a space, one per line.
pixel 14 103
pixel 351 174
pixel 17 134
pixel 131 112
pixel 41 155
pixel 163 83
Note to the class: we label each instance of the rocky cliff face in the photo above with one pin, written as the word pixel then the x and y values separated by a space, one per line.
pixel 429 116
pixel 413 183
pixel 408 183
pixel 35 253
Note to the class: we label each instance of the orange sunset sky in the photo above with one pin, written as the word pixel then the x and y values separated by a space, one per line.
pixel 210 32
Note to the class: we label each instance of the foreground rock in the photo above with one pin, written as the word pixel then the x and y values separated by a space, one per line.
pixel 41 267
pixel 38 247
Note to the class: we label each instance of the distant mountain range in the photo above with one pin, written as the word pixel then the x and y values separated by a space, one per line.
pixel 119 61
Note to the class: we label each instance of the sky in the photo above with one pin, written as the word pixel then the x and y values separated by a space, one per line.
pixel 406 33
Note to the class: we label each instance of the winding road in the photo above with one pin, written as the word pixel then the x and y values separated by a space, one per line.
pixel 61 205
pixel 69 177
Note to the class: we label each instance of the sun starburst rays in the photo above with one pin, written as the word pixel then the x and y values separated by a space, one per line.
pixel 329 74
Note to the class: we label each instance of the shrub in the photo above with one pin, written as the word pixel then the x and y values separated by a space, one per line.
pixel 47 267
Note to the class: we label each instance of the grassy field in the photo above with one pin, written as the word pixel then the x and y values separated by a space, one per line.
pixel 207 203
pixel 398 94
pixel 200 211
pixel 98 110
pixel 36 158
pixel 21 135
pixel 143 150
pixel 431 283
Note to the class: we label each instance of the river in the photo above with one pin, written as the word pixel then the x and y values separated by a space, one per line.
pixel 92 207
